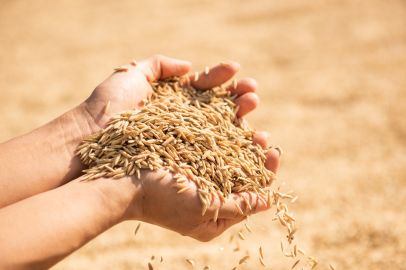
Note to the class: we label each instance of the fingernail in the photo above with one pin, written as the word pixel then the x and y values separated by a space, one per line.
pixel 268 134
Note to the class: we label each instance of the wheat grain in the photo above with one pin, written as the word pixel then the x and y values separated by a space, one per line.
pixel 206 71
pixel 134 63
pixel 224 64
pixel 332 267
pixel 241 236
pixel 150 266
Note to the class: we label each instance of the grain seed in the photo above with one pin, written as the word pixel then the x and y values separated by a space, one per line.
pixel 262 262
pixel 301 251
pixel 216 213
pixel 239 209
pixel 295 264
pixel 241 236
pixel 138 227
pixel 332 267
pixel 260 252
pixel 190 262
pixel 121 68
pixel 106 109
pixel 206 70
pixel 248 227
pixel 243 260
pixel 150 266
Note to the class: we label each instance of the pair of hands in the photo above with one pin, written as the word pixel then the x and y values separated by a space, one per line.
pixel 152 199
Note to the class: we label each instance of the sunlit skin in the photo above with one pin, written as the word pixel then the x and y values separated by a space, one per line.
pixel 46 213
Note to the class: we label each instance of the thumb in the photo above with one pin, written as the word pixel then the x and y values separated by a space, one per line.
pixel 160 67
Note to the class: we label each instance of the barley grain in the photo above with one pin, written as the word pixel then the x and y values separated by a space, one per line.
pixel 190 262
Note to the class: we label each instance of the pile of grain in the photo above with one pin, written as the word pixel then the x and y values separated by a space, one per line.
pixel 194 134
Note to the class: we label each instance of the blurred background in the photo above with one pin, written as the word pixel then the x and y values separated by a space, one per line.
pixel 332 84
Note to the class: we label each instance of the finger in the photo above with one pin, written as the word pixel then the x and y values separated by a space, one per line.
pixel 216 76
pixel 209 229
pixel 273 159
pixel 160 67
pixel 247 102
pixel 229 210
pixel 260 137
pixel 246 85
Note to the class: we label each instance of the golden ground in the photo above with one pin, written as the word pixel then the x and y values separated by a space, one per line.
pixel 332 77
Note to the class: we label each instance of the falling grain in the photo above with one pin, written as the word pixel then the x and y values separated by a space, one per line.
pixel 138 227
pixel 247 227
pixel 190 262
pixel 243 260
pixel 282 245
pixel 295 264
pixel 332 267
pixel 196 76
pixel 262 262
pixel 301 251
pixel 152 258
pixel 241 236
pixel 206 70
pixel 134 63
pixel 261 253
pixel 150 266
pixel 294 199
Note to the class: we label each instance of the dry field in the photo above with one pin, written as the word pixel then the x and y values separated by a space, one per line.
pixel 332 77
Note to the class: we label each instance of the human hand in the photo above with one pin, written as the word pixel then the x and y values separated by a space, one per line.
pixel 155 201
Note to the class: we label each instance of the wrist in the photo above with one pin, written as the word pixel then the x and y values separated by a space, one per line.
pixel 120 196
